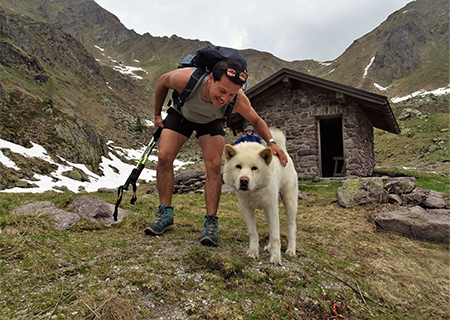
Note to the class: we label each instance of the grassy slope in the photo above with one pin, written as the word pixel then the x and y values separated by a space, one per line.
pixel 423 144
pixel 93 272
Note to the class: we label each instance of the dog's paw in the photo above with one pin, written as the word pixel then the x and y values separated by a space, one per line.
pixel 275 259
pixel 267 248
pixel 290 252
pixel 253 253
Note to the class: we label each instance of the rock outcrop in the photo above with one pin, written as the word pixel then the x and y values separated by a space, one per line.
pixel 416 222
pixel 420 213
pixel 361 191
pixel 96 210
pixel 63 219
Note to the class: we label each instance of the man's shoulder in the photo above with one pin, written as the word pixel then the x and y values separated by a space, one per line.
pixel 179 78
pixel 242 102
pixel 183 72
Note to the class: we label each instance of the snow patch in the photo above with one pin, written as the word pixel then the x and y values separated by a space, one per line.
pixel 368 66
pixel 380 87
pixel 129 70
pixel 327 63
pixel 115 172
pixel 437 92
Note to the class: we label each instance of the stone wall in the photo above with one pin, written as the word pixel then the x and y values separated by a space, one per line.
pixel 297 112
pixel 358 142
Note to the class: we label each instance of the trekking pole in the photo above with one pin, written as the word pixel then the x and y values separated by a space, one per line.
pixel 132 179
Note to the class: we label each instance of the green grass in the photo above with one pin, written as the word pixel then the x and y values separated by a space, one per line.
pixel 430 181
pixel 94 272
pixel 423 146
pixel 326 189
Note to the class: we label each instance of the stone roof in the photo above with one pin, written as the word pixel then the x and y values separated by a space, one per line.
pixel 376 107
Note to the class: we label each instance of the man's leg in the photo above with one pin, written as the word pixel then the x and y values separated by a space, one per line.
pixel 212 147
pixel 170 143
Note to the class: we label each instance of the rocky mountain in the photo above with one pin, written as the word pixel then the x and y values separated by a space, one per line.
pixel 72 76
pixel 407 52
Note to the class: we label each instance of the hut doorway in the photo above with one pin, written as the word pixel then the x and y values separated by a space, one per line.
pixel 331 147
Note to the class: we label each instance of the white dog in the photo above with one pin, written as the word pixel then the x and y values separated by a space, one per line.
pixel 258 179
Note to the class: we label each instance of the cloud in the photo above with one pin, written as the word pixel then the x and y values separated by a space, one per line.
pixel 289 29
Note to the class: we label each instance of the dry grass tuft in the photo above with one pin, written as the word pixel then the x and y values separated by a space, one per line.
pixel 111 307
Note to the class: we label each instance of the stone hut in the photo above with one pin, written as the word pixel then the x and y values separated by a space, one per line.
pixel 329 126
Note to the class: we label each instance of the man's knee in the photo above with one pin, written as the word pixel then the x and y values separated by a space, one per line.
pixel 213 167
pixel 165 158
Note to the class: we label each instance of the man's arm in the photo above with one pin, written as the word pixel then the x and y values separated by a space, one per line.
pixel 245 109
pixel 176 80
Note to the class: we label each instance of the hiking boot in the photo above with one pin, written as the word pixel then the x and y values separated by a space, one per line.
pixel 209 237
pixel 163 221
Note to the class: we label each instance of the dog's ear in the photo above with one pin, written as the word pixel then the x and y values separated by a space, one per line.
pixel 266 154
pixel 229 152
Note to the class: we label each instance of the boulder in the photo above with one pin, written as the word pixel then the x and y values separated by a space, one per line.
pixel 35 207
pixel 188 175
pixel 63 219
pixel 435 200
pixel 400 185
pixel 439 211
pixel 152 190
pixel 97 210
pixel 361 191
pixel 73 174
pixel 416 222
pixel 417 196
pixel 395 199
pixel 190 181
pixel 410 113
pixel 107 190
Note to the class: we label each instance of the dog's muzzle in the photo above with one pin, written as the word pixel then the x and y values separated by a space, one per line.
pixel 243 183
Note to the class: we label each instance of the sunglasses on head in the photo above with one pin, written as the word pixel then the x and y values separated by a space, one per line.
pixel 231 73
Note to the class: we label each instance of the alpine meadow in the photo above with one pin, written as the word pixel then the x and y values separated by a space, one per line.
pixel 76 109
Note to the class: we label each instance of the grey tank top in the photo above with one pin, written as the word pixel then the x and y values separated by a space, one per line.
pixel 198 111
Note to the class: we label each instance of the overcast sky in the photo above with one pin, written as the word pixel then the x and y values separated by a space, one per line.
pixel 289 29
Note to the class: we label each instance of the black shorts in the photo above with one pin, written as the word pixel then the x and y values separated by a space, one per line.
pixel 176 122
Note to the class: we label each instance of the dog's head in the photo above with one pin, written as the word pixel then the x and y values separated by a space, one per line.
pixel 247 166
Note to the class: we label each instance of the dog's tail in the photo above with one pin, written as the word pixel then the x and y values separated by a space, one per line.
pixel 279 137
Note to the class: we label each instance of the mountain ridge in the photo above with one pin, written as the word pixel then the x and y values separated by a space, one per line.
pixel 395 45
pixel 59 62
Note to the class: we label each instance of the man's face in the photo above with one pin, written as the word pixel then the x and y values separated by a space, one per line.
pixel 223 91
pixel 249 132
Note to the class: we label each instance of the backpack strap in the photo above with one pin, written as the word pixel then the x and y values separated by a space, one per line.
pixel 180 98
pixel 229 115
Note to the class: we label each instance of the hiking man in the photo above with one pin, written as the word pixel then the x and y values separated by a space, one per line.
pixel 250 136
pixel 204 113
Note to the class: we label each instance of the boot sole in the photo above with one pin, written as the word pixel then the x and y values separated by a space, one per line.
pixel 150 232
pixel 209 242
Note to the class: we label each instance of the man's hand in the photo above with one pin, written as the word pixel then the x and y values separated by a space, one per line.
pixel 276 150
pixel 158 122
